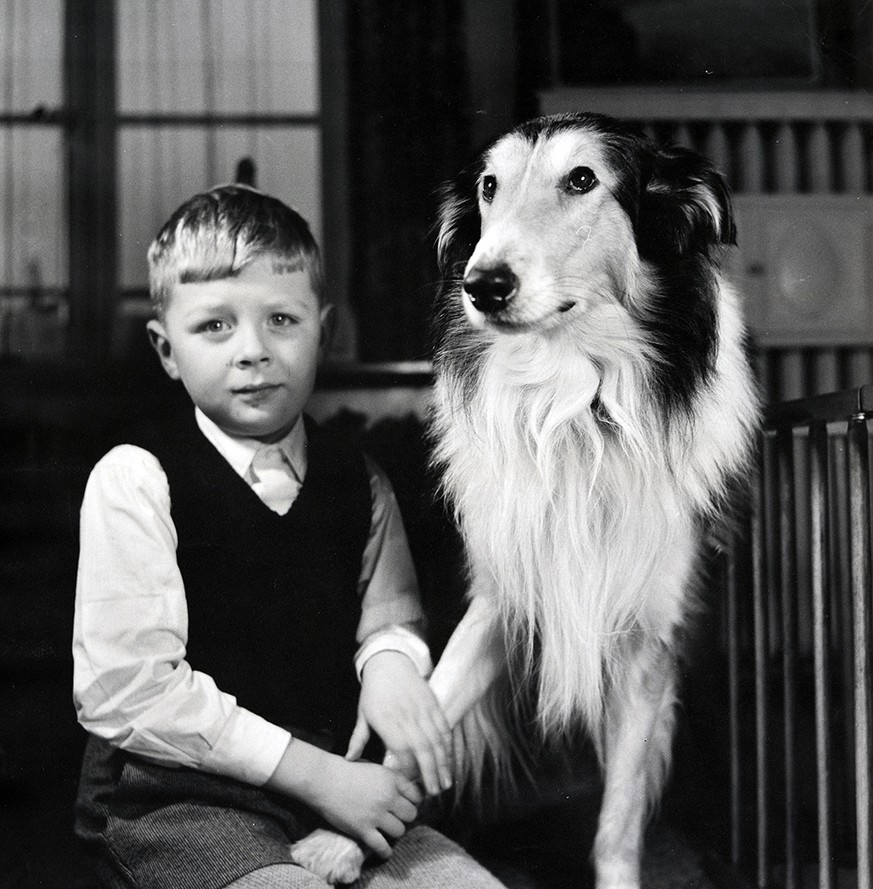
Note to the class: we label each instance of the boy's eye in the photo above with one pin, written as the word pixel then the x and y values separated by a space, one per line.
pixel 280 319
pixel 213 326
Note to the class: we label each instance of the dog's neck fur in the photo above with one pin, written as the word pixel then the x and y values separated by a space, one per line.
pixel 563 449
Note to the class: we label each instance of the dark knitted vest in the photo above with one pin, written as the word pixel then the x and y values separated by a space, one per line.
pixel 273 607
pixel 273 604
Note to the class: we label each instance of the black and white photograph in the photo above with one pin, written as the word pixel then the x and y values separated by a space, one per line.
pixel 435 444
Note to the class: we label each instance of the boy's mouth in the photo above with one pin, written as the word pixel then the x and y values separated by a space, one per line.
pixel 255 388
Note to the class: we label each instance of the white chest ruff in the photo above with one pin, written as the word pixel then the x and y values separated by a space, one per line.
pixel 580 530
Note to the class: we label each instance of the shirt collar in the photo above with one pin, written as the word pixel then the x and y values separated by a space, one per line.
pixel 240 451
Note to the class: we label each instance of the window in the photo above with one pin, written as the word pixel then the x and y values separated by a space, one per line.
pixel 34 272
pixel 113 113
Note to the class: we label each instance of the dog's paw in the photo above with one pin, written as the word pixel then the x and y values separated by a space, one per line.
pixel 333 857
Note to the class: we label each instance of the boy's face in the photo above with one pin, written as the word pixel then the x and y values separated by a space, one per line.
pixel 246 348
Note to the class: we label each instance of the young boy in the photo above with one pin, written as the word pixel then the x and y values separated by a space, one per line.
pixel 238 575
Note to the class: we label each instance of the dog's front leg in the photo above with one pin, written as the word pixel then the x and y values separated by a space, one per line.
pixel 473 658
pixel 637 748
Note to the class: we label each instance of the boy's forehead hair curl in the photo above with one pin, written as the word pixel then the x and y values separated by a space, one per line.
pixel 216 234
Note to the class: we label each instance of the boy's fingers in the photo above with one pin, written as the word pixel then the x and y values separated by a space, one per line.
pixel 359 738
pixel 405 810
pixel 411 791
pixel 375 841
pixel 392 826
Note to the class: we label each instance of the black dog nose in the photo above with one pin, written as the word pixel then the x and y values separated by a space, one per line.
pixel 491 289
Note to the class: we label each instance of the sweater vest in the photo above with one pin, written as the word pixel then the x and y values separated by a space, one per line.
pixel 273 601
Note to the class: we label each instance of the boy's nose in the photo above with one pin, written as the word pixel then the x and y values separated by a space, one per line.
pixel 252 350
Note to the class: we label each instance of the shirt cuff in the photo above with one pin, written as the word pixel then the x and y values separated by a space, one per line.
pixel 395 638
pixel 248 749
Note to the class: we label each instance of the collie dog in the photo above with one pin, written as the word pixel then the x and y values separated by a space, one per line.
pixel 593 407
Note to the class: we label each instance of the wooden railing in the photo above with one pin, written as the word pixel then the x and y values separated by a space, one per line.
pixel 799 652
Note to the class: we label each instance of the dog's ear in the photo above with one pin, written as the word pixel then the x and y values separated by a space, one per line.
pixel 685 206
pixel 459 223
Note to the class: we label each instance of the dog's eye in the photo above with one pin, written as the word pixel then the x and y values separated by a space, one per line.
pixel 581 179
pixel 489 186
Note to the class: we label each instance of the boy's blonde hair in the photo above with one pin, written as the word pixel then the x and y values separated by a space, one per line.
pixel 217 233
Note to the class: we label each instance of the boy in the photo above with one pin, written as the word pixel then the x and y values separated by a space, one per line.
pixel 235 573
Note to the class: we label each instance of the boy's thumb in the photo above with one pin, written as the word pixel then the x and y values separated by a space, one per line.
pixel 359 738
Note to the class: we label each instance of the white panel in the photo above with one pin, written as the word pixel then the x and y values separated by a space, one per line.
pixel 804 265
pixel 32 209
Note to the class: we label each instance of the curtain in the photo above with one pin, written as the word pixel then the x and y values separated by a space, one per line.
pixel 409 131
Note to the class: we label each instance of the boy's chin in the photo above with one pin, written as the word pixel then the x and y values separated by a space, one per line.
pixel 264 432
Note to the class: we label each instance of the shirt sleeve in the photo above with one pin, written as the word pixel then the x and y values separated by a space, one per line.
pixel 392 617
pixel 131 683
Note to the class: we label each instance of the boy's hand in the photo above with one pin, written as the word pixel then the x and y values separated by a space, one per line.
pixel 399 706
pixel 367 801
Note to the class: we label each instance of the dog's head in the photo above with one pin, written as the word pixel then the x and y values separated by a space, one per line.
pixel 566 211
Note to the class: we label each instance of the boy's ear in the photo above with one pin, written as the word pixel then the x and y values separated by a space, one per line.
pixel 158 339
pixel 328 330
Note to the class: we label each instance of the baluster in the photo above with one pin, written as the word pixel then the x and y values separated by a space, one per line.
pixel 792 384
pixel 763 591
pixel 766 384
pixel 842 621
pixel 821 582
pixel 735 731
pixel 826 371
pixel 860 367
pixel 819 159
pixel 750 177
pixel 717 148
pixel 682 135
pixel 788 590
pixel 851 159
pixel 859 481
pixel 786 159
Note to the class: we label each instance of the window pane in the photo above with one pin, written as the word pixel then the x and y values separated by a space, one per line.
pixel 31 44
pixel 32 219
pixel 220 56
pixel 160 168
pixel 33 240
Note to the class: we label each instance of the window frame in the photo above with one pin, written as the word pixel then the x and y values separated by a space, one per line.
pixel 93 122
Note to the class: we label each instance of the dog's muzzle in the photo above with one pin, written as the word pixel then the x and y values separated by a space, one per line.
pixel 490 289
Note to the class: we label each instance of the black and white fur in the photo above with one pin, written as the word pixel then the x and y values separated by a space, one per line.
pixel 593 404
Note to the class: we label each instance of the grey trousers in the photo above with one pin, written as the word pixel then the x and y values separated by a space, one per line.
pixel 422 858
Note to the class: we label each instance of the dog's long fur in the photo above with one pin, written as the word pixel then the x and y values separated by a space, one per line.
pixel 593 405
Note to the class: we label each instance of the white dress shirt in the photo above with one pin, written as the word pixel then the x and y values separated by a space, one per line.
pixel 131 682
